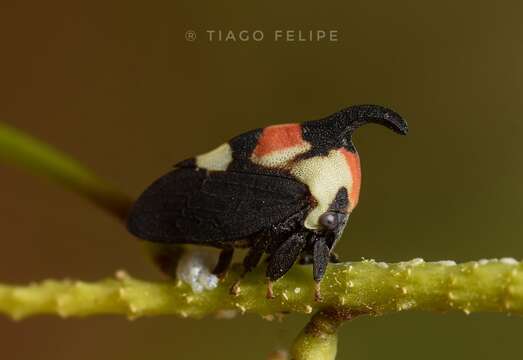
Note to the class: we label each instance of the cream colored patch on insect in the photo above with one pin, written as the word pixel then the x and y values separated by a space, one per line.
pixel 279 158
pixel 217 159
pixel 324 175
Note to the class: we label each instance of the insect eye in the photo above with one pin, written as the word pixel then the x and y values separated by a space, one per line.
pixel 329 220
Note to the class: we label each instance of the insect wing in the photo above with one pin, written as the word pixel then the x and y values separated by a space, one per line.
pixel 196 206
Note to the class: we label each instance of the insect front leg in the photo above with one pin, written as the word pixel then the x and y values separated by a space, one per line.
pixel 283 258
pixel 321 257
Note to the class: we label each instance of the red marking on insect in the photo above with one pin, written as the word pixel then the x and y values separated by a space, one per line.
pixel 278 137
pixel 353 160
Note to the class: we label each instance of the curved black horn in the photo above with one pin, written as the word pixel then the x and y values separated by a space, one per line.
pixel 359 115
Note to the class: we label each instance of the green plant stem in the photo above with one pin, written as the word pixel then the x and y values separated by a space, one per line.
pixel 363 287
pixel 22 150
pixel 319 339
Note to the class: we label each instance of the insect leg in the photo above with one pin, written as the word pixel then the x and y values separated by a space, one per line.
pixel 254 255
pixel 283 259
pixel 321 255
pixel 224 261
pixel 250 261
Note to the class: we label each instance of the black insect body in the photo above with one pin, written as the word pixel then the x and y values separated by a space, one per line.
pixel 284 190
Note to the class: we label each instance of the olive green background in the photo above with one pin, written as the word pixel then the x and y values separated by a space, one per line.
pixel 116 85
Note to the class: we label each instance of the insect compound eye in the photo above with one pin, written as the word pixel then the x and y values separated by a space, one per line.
pixel 329 220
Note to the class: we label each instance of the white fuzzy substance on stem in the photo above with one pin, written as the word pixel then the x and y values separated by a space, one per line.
pixel 195 269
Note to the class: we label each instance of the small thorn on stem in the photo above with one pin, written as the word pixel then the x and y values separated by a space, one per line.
pixel 317 292
pixel 270 292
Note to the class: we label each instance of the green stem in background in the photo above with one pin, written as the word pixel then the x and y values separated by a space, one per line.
pixel 20 149
pixel 363 287
pixel 319 339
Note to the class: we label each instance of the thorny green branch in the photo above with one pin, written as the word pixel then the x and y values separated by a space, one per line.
pixel 364 287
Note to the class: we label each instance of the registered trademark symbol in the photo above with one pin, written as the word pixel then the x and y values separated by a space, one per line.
pixel 190 35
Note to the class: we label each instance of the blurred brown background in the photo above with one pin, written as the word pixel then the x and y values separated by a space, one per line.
pixel 116 85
